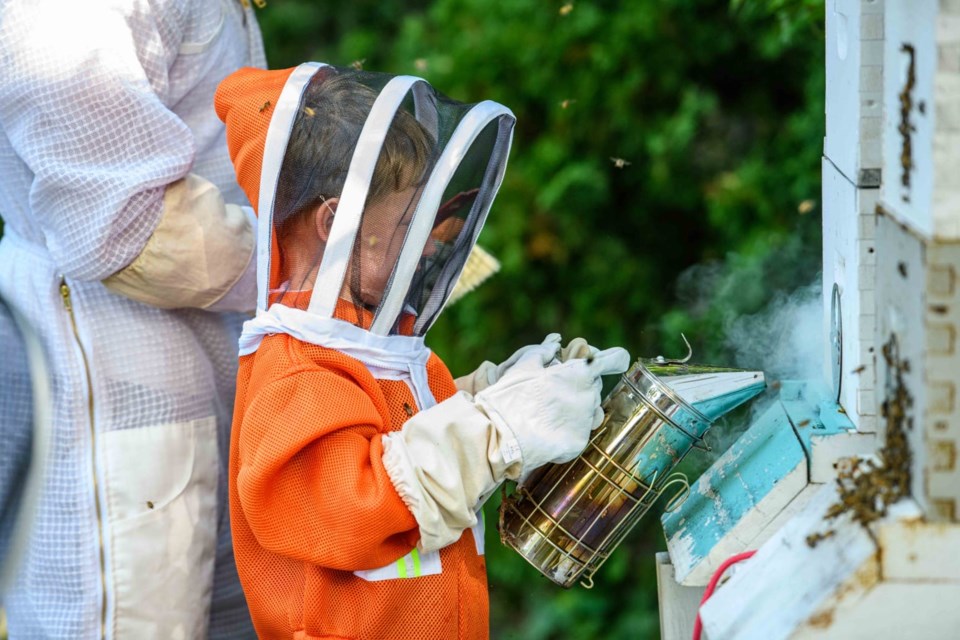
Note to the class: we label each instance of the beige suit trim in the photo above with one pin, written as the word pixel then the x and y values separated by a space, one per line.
pixel 198 252
pixel 444 463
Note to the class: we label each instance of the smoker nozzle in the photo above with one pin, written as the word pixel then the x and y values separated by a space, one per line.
pixel 713 391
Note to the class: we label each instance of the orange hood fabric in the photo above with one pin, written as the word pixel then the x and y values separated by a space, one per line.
pixel 311 503
pixel 245 102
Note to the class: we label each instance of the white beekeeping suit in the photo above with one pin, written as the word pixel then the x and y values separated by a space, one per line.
pixel 114 169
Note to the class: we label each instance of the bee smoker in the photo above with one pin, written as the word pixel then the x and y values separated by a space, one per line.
pixel 567 519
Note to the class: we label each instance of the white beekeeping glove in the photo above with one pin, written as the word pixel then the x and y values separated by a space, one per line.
pixel 577 348
pixel 551 412
pixel 488 373
pixel 447 460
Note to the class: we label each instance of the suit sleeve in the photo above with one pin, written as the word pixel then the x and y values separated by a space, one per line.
pixel 311 480
pixel 85 102
pixel 83 91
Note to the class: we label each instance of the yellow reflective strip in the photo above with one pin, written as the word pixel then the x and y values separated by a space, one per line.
pixel 402 567
pixel 416 562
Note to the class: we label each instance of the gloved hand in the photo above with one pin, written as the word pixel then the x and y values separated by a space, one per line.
pixel 550 411
pixel 488 373
pixel 577 348
pixel 448 459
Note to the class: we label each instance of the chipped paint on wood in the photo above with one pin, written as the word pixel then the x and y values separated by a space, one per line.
pixel 734 502
pixel 917 550
pixel 787 583
pixel 736 498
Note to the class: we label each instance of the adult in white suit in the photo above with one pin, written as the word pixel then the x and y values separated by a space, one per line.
pixel 127 246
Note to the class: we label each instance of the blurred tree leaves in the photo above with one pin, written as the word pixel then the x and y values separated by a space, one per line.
pixel 715 109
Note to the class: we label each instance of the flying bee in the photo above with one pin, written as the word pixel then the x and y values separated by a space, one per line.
pixel 309 111
pixel 566 103
pixel 358 64
pixel 266 105
pixel 619 163
pixel 566 9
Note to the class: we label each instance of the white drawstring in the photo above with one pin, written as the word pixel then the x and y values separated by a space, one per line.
pixel 384 356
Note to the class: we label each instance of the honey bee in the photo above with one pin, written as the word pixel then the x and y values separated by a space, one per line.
pixel 566 9
pixel 266 105
pixel 309 112
pixel 566 103
pixel 420 64
pixel 358 64
pixel 619 163
pixel 149 504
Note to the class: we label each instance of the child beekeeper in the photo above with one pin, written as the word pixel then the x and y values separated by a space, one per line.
pixel 358 465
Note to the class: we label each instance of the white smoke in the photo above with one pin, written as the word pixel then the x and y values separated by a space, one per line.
pixel 785 340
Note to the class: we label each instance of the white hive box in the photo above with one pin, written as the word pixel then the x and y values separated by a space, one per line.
pixel 854 60
pixel 942 421
pixel 918 301
pixel 849 261
pixel 921 125
pixel 899 579
pixel 918 235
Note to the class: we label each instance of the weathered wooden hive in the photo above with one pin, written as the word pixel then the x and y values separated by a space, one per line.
pixel 852 501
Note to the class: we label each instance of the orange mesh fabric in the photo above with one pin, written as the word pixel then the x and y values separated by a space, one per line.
pixel 245 102
pixel 311 502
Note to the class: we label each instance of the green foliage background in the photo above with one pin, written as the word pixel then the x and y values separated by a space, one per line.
pixel 717 106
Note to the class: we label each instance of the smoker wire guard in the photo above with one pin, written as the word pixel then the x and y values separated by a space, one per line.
pixel 517 531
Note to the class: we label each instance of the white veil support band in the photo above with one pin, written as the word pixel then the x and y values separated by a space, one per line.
pixel 274 148
pixel 343 233
pixel 489 111
pixel 466 132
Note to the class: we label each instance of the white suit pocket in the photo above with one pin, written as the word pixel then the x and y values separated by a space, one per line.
pixel 161 493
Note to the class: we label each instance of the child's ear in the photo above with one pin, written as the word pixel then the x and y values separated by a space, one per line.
pixel 324 217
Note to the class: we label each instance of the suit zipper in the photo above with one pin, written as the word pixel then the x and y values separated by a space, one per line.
pixel 68 305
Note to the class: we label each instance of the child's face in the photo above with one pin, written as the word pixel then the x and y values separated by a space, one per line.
pixel 385 225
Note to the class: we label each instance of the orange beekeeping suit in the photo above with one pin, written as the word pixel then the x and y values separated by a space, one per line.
pixel 362 235
pixel 311 503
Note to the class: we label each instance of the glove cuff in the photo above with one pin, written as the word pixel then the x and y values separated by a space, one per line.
pixel 478 380
pixel 510 447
